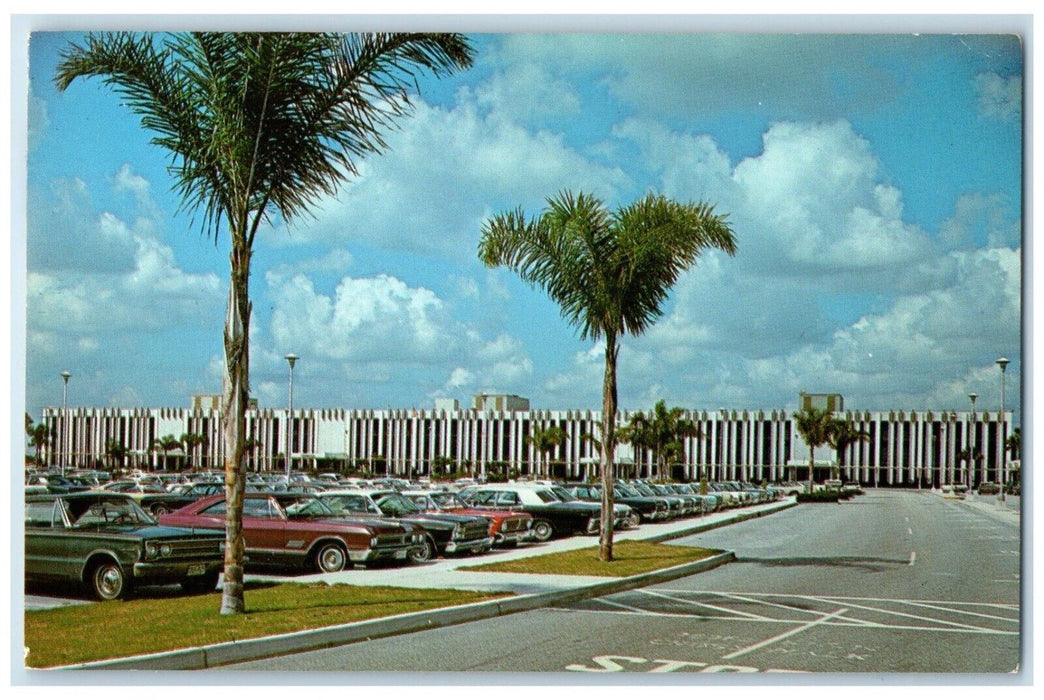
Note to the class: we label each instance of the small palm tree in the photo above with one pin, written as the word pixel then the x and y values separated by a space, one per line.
pixel 843 434
pixel 1014 443
pixel 165 444
pixel 545 441
pixel 191 441
pixel 815 426
pixel 259 125
pixel 610 273
pixel 116 452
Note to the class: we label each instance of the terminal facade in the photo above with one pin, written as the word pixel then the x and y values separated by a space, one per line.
pixel 905 447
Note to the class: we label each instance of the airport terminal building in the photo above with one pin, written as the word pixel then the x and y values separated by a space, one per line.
pixel 905 447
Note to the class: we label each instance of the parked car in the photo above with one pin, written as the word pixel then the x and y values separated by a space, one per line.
pixel 623 515
pixel 152 497
pixel 675 504
pixel 551 515
pixel 446 533
pixel 507 528
pixel 648 509
pixel 108 543
pixel 298 530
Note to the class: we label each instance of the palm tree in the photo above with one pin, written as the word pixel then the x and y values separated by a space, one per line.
pixel 116 452
pixel 39 435
pixel 843 434
pixel 259 124
pixel 669 429
pixel 1014 443
pixel 815 426
pixel 165 444
pixel 610 273
pixel 191 441
pixel 545 441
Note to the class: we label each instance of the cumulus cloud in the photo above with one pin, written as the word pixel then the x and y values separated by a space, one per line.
pixel 410 200
pixel 381 328
pixel 999 97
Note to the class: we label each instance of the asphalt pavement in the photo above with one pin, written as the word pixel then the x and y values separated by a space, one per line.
pixel 532 591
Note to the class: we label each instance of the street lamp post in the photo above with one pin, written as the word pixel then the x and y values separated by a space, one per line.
pixel 1003 362
pixel 291 358
pixel 65 417
pixel 971 441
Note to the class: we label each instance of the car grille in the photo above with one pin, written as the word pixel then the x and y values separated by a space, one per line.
pixel 393 540
pixel 189 549
pixel 473 531
pixel 514 524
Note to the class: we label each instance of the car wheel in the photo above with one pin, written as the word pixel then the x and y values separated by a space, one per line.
pixel 108 582
pixel 201 584
pixel 160 509
pixel 330 557
pixel 542 530
pixel 634 520
pixel 423 553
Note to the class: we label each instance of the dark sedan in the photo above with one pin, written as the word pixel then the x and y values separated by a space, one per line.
pixel 447 533
pixel 107 542
pixel 551 515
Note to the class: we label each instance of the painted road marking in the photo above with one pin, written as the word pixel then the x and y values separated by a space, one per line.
pixel 919 617
pixel 791 633
pixel 913 558
pixel 704 605
pixel 794 608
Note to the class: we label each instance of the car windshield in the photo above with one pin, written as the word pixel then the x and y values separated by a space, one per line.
pixel 349 503
pixel 547 496
pixel 84 512
pixel 563 494
pixel 447 500
pixel 643 489
pixel 306 508
pixel 396 505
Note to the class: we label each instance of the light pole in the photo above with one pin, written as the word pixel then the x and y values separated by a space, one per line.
pixel 291 358
pixel 65 417
pixel 1003 362
pixel 971 441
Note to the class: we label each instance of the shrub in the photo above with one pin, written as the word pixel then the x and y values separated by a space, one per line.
pixel 819 497
pixel 988 488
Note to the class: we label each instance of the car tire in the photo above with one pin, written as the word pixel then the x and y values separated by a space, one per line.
pixel 423 554
pixel 160 509
pixel 330 557
pixel 201 584
pixel 108 581
pixel 542 531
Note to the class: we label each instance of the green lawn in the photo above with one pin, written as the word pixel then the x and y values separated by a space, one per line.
pixel 83 633
pixel 630 557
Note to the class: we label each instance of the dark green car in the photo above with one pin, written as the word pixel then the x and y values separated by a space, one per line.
pixel 107 542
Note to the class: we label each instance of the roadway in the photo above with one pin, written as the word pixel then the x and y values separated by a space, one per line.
pixel 890 582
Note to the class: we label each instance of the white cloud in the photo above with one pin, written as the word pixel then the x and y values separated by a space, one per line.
pixel 380 328
pixel 999 97
pixel 444 173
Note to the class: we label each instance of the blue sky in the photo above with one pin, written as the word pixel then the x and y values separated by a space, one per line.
pixel 873 183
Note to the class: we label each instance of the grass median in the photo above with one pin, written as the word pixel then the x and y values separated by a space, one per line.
pixel 83 633
pixel 630 558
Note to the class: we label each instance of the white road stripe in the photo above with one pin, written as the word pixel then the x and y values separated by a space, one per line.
pixel 791 633
pixel 704 605
pixel 861 623
pixel 833 623
pixel 915 617
pixel 966 612
pixel 913 558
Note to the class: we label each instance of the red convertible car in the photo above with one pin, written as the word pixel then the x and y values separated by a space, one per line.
pixel 298 530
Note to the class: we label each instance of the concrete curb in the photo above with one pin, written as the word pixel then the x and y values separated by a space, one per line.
pixel 210 656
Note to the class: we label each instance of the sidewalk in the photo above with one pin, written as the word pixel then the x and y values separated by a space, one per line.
pixel 449 572
pixel 533 591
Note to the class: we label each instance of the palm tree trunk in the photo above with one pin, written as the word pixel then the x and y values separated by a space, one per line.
pixel 233 419
pixel 811 466
pixel 605 545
